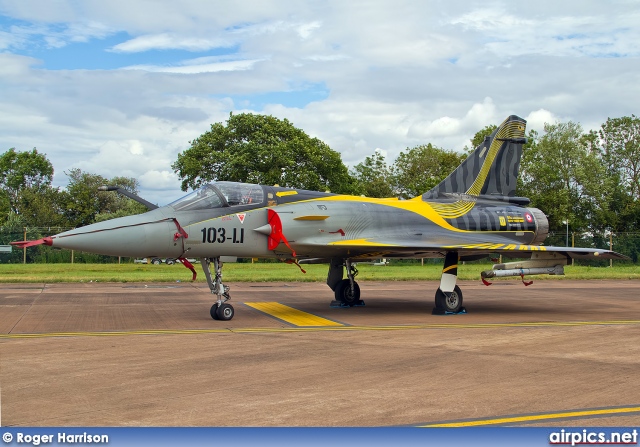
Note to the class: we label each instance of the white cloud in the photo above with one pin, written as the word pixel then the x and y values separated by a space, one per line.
pixel 235 65
pixel 14 67
pixel 443 126
pixel 583 32
pixel 305 30
pixel 167 41
pixel 394 74
pixel 449 129
pixel 537 119
pixel 326 58
pixel 51 36
pixel 493 21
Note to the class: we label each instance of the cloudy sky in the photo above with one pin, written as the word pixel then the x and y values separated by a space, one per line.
pixel 120 87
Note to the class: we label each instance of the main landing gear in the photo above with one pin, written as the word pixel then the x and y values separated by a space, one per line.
pixel 448 302
pixel 448 299
pixel 347 291
pixel 221 310
pixel 449 296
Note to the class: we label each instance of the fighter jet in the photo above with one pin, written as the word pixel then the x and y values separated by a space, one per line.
pixel 472 214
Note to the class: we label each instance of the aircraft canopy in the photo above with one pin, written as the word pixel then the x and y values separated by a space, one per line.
pixel 218 195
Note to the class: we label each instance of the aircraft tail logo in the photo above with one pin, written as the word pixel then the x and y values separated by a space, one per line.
pixel 492 168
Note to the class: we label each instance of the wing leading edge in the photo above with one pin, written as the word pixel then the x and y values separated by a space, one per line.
pixel 371 250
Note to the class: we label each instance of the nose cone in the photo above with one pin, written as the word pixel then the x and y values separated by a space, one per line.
pixel 148 234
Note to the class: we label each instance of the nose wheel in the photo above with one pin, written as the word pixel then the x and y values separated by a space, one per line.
pixel 221 310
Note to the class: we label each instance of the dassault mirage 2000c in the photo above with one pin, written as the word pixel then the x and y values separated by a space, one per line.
pixel 472 214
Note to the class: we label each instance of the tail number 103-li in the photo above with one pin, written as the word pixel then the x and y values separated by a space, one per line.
pixel 219 235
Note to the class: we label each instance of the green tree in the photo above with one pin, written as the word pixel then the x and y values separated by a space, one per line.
pixel 598 187
pixel 5 206
pixel 262 149
pixel 619 141
pixel 421 168
pixel 13 223
pixel 620 138
pixel 121 206
pixel 43 207
pixel 128 207
pixel 85 203
pixel 562 174
pixel 11 230
pixel 22 170
pixel 373 177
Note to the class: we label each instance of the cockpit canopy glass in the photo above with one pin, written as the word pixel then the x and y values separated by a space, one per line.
pixel 220 194
pixel 240 193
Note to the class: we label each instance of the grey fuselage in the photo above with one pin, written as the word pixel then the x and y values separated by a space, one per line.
pixel 210 223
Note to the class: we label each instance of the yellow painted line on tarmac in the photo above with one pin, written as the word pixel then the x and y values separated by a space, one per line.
pixel 291 315
pixel 539 417
pixel 335 327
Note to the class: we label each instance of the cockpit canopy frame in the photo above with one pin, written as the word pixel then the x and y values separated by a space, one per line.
pixel 220 195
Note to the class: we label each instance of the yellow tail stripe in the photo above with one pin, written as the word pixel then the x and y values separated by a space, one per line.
pixel 291 315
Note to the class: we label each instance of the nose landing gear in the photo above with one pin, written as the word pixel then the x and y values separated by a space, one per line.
pixel 220 310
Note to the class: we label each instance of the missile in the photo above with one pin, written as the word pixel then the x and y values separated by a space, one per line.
pixel 498 272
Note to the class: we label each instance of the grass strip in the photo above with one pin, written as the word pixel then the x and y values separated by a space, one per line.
pixel 266 272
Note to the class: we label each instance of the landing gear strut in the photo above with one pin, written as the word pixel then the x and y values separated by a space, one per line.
pixel 347 291
pixel 220 310
pixel 449 296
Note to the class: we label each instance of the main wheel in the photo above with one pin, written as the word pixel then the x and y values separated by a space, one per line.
pixel 170 261
pixel 451 302
pixel 344 294
pixel 214 311
pixel 225 312
pixel 156 261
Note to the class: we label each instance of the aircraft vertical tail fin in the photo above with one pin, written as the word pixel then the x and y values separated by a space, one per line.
pixel 492 168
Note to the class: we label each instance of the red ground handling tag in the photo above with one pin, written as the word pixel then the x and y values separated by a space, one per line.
pixel 276 235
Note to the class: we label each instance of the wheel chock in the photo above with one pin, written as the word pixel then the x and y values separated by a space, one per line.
pixel 437 311
pixel 340 304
